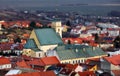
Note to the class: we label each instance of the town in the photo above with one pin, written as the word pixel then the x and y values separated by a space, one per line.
pixel 58 44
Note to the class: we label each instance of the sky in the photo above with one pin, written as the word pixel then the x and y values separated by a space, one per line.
pixel 27 3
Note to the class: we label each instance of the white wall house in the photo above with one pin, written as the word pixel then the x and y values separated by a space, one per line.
pixel 5 63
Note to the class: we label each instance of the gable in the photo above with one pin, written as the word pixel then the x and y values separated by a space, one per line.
pixel 30 44
pixel 47 36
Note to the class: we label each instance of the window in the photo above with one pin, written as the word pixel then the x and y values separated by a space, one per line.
pixel 82 61
pixel 0 67
pixel 39 55
pixel 73 62
pixel 58 30
pixel 79 61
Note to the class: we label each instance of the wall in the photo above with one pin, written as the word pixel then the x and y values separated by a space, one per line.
pixel 5 66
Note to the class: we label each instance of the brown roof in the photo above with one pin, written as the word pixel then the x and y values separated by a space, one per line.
pixel 4 60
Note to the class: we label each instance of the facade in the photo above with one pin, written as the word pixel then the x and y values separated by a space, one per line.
pixel 58 27
pixel 110 63
pixel 5 63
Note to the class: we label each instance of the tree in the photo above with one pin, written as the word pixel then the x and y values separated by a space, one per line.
pixel 117 42
pixel 96 38
pixel 33 24
pixel 68 23
pixel 17 40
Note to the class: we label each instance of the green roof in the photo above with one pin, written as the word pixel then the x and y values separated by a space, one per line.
pixel 30 44
pixel 77 51
pixel 48 36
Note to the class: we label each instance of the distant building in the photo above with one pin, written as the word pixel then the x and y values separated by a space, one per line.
pixel 107 25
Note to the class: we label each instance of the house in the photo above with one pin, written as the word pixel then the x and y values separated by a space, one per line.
pixel 47 73
pixel 7 49
pixel 31 49
pixel 5 63
pixel 95 62
pixel 44 39
pixel 23 64
pixel 86 73
pixel 76 53
pixel 44 62
pixel 65 69
pixel 110 63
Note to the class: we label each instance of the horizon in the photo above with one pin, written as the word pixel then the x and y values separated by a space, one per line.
pixel 44 3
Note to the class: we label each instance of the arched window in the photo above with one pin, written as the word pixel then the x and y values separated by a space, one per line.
pixel 73 62
pixel 76 61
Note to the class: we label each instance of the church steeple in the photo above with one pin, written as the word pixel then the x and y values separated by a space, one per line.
pixel 58 27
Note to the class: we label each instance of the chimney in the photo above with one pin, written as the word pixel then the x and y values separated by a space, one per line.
pixel 93 48
pixel 83 49
pixel 76 50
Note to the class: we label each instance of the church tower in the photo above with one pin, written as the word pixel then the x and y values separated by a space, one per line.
pixel 58 27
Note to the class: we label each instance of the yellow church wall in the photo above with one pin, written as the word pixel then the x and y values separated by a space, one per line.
pixel 33 35
pixel 29 52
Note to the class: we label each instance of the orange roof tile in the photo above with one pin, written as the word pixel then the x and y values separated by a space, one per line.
pixel 50 60
pixel 115 60
pixel 36 62
pixel 23 64
pixel 4 60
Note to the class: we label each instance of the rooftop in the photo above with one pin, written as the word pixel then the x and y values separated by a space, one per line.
pixel 78 51
pixel 48 36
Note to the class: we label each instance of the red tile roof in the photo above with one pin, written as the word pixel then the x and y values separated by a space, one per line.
pixel 23 64
pixel 50 60
pixel 44 61
pixel 92 59
pixel 4 60
pixel 87 73
pixel 38 62
pixel 115 60
pixel 47 73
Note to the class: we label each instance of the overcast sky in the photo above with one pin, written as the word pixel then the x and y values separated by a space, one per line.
pixel 27 3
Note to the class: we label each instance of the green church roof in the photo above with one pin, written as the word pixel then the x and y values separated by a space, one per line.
pixel 30 44
pixel 48 36
pixel 78 51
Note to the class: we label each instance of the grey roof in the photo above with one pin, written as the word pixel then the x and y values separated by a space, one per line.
pixel 30 44
pixel 77 51
pixel 48 36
